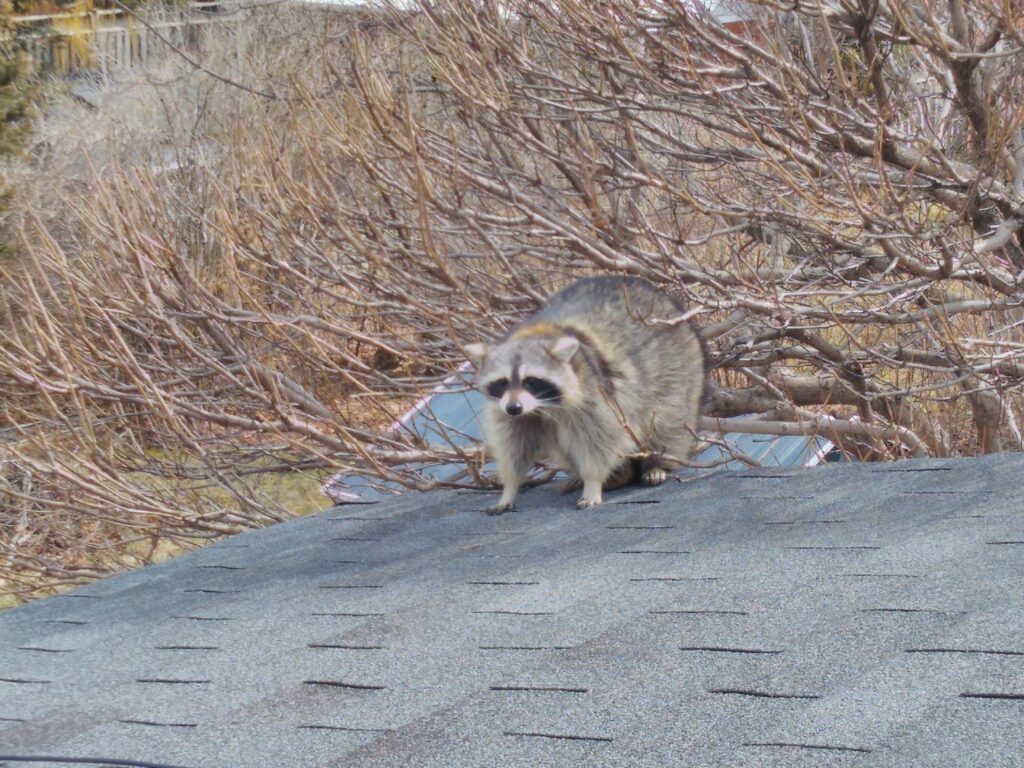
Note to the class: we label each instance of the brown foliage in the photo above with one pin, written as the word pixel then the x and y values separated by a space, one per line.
pixel 837 191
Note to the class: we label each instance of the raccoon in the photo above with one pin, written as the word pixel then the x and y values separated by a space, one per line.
pixel 606 368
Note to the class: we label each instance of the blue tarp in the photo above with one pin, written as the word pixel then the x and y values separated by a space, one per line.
pixel 449 416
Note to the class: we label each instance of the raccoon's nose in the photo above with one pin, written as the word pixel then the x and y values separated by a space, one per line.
pixel 514 408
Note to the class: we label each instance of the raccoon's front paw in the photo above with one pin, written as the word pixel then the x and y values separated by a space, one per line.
pixel 654 476
pixel 586 503
pixel 501 508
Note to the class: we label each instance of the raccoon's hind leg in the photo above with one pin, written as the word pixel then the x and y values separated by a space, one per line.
pixel 655 469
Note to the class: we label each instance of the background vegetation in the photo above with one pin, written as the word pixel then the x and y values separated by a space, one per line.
pixel 246 264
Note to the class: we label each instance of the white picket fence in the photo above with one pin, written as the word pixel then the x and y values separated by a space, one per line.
pixel 64 43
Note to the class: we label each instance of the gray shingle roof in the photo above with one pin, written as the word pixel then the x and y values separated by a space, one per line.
pixel 851 615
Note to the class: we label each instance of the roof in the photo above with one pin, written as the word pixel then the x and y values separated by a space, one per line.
pixel 846 615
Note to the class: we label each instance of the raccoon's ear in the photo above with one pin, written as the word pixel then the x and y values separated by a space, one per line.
pixel 475 352
pixel 565 348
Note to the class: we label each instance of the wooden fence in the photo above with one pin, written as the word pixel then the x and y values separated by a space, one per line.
pixel 107 39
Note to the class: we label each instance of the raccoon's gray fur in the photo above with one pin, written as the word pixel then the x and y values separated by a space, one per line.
pixel 604 369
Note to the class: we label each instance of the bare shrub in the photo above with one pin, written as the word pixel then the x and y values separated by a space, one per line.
pixel 837 191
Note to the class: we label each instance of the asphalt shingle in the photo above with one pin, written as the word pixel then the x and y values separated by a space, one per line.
pixel 849 615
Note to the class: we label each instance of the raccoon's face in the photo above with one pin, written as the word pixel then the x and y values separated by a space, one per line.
pixel 522 375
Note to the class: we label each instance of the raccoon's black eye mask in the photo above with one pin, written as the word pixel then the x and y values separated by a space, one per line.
pixel 542 389
pixel 497 388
